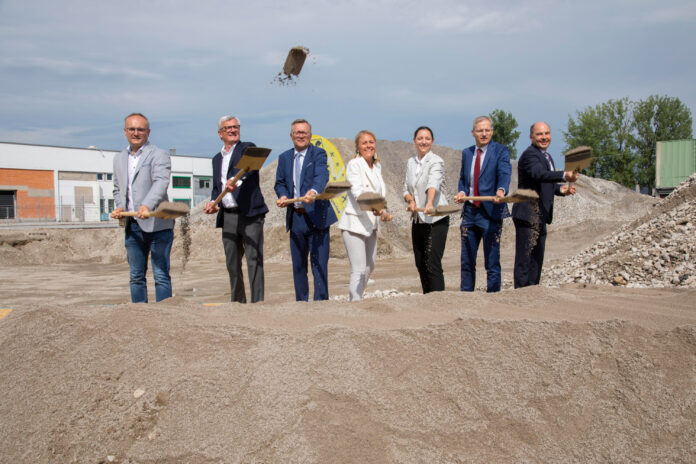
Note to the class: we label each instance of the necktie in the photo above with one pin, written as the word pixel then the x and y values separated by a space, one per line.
pixel 548 160
pixel 298 171
pixel 477 171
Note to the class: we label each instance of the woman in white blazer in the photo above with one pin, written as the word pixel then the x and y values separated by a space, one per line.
pixel 425 188
pixel 358 227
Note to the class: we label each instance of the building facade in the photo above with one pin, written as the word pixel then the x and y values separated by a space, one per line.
pixel 51 183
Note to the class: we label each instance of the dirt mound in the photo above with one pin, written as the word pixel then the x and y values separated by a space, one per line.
pixel 195 384
pixel 657 250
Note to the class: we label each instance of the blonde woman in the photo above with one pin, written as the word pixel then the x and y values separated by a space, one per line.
pixel 358 227
pixel 424 188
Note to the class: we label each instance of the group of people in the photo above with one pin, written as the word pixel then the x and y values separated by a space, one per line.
pixel 142 172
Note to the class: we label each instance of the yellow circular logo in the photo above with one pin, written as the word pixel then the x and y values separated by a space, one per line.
pixel 337 170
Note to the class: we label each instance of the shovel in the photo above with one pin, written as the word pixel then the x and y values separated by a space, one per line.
pixel 165 210
pixel 332 189
pixel 443 210
pixel 370 201
pixel 252 160
pixel 519 196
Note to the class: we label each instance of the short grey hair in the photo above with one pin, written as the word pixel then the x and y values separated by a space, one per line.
pixel 300 121
pixel 140 115
pixel 480 119
pixel 224 119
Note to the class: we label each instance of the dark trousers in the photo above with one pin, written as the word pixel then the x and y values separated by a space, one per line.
pixel 477 226
pixel 305 239
pixel 428 242
pixel 530 241
pixel 241 236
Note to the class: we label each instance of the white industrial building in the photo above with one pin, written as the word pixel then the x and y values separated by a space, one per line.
pixel 42 182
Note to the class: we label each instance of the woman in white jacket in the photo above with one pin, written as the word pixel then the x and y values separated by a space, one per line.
pixel 424 188
pixel 358 227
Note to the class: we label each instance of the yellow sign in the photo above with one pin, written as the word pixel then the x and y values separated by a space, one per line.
pixel 337 170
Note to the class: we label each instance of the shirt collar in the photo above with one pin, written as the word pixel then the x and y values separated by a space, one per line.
pixel 225 153
pixel 140 150
pixel 301 153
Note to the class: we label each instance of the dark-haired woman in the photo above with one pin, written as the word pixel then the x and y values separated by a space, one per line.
pixel 425 188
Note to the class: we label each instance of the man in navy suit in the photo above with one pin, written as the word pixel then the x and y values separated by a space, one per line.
pixel 535 171
pixel 241 213
pixel 303 172
pixel 485 171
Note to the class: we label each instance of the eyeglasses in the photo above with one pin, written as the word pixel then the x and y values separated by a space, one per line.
pixel 133 130
pixel 300 133
pixel 483 131
pixel 229 128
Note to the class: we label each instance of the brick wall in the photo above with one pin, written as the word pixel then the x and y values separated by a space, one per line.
pixel 35 192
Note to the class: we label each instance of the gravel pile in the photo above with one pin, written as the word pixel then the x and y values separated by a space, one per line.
pixel 657 250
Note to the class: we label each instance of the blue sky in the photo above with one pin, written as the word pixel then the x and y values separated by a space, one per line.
pixel 71 70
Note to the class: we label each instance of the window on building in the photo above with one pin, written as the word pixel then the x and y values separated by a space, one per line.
pixel 111 204
pixel 100 176
pixel 204 183
pixel 109 176
pixel 181 182
pixel 185 201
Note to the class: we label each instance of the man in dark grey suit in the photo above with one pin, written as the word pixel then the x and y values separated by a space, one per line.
pixel 536 171
pixel 241 214
pixel 141 178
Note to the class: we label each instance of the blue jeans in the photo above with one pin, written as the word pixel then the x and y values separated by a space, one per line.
pixel 158 245
pixel 476 226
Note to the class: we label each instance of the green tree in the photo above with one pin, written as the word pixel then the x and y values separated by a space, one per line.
pixel 623 136
pixel 606 128
pixel 504 125
pixel 657 118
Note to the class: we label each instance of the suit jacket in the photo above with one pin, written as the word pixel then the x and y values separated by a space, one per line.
pixel 361 178
pixel 533 172
pixel 314 175
pixel 494 174
pixel 431 175
pixel 150 183
pixel 248 196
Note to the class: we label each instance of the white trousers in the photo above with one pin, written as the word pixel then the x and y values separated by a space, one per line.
pixel 362 252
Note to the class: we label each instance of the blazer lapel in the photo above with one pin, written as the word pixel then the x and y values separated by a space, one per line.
pixel 147 151
pixel 490 153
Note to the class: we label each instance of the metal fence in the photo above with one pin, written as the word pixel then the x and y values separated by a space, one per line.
pixel 61 213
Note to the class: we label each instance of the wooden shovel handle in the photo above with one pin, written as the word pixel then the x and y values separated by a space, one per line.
pixel 135 213
pixel 225 191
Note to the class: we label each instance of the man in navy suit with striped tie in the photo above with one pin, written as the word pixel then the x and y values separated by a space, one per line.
pixel 536 171
pixel 303 172
pixel 485 171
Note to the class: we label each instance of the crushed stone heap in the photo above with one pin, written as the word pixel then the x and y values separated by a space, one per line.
pixel 657 250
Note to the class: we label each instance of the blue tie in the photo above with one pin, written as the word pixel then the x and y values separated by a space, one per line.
pixel 298 171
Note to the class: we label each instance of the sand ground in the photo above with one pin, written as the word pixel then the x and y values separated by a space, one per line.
pixel 571 374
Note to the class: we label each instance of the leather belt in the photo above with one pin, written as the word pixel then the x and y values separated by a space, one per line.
pixel 234 210
pixel 300 210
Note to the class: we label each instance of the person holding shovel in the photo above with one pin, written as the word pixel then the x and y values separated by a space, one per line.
pixel 302 172
pixel 241 215
pixel 424 188
pixel 359 227
pixel 536 171
pixel 141 178
pixel 485 171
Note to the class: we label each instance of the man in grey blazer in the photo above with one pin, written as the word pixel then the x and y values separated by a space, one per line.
pixel 141 177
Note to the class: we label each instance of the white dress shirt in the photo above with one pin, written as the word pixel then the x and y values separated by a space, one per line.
pixel 228 200
pixel 132 165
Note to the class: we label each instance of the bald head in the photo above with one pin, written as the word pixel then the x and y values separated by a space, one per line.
pixel 540 135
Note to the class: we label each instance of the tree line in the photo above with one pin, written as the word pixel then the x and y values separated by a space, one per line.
pixel 623 135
